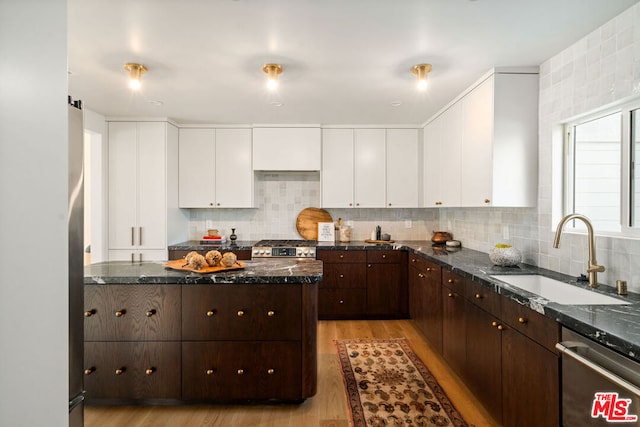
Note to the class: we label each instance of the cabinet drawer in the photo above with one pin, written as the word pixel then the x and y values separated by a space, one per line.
pixel 343 275
pixel 241 370
pixel 341 256
pixel 341 303
pixel 543 330
pixel 132 312
pixel 483 297
pixel 454 282
pixel 384 256
pixel 132 370
pixel 241 312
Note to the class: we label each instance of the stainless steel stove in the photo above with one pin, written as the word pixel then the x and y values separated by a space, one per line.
pixel 302 249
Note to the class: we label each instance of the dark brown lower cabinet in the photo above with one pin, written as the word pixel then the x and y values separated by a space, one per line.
pixel 387 290
pixel 132 370
pixel 454 327
pixel 225 370
pixel 425 298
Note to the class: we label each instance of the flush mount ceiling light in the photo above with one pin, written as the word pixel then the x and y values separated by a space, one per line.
pixel 421 71
pixel 272 71
pixel 135 74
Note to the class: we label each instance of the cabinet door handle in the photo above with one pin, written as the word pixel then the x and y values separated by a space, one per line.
pixel 240 371
pixel 389 204
pixel 132 261
pixel 140 237
pixel 270 371
pixel 494 323
pixel 150 371
pixel 414 260
pixel 90 313
pixel 210 371
pixel 369 265
pixel 341 301
pixel 478 296
pixel 132 239
pixel 211 313
pixel 342 276
pixel 450 295
pixel 350 204
pixel 240 313
pixel 120 313
pixel 384 257
pixel 523 320
pixel 271 313
pixel 120 371
pixel 420 275
pixel 90 370
pixel 428 268
pixel 218 204
pixel 151 312
pixel 357 204
pixel 341 256
pixel 501 328
pixel 487 201
pixel 450 281
pixel 210 203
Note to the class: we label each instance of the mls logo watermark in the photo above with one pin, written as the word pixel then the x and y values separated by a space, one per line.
pixel 612 408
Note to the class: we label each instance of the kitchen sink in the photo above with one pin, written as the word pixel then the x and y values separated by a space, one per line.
pixel 557 291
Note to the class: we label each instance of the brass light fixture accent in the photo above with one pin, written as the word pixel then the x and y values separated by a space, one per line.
pixel 135 74
pixel 421 71
pixel 272 71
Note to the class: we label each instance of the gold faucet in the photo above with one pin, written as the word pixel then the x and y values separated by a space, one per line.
pixel 593 268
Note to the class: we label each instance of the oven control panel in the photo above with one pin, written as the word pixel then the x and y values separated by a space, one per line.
pixel 283 252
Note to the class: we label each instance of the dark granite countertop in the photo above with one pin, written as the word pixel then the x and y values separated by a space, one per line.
pixel 269 271
pixel 615 326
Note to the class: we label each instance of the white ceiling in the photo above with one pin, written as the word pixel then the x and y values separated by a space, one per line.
pixel 345 61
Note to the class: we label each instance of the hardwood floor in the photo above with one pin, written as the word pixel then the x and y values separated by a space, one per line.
pixel 328 408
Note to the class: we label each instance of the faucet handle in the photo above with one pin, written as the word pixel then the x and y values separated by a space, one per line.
pixel 595 269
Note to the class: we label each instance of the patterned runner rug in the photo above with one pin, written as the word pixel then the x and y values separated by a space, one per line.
pixel 388 385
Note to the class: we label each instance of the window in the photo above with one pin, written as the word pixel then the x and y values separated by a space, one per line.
pixel 600 179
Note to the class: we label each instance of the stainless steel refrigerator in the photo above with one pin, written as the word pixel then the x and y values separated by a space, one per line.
pixel 76 263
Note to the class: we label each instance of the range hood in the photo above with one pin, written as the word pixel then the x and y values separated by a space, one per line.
pixel 286 149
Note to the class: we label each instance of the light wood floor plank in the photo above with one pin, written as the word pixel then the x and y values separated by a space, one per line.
pixel 328 408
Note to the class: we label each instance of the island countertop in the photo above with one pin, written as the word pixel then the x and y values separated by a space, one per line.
pixel 154 272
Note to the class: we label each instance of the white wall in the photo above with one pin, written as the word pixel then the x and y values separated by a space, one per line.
pixel 33 192
pixel 601 68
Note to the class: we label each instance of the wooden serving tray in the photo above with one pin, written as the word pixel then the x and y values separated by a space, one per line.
pixel 379 242
pixel 179 264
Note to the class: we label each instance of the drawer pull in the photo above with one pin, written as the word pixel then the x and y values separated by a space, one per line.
pixel 478 296
pixel 450 281
pixel 341 256
pixel 501 328
pixel 211 313
pixel 271 313
pixel 89 313
pixel 240 313
pixel 90 370
pixel 369 265
pixel 420 275
pixel 414 260
pixel 429 268
pixel 151 312
pixel 384 256
pixel 120 371
pixel 342 276
pixel 240 371
pixel 494 323
pixel 450 294
pixel 120 313
pixel 523 320
pixel 270 371
pixel 150 371
pixel 210 371
pixel 341 301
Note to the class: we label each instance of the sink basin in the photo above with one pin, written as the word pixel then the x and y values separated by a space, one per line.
pixel 556 291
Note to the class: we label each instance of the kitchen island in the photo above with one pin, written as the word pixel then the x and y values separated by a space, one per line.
pixel 155 335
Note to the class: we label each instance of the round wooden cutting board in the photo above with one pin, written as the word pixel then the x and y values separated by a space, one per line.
pixel 307 222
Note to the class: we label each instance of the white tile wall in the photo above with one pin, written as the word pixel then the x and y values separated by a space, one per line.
pixel 601 68
pixel 280 196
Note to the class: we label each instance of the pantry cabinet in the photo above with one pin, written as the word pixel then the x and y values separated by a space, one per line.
pixel 215 168
pixel 488 139
pixel 143 205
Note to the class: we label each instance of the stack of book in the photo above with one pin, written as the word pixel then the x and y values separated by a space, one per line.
pixel 213 240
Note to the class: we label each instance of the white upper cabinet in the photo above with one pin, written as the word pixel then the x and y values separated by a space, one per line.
pixel 215 168
pixel 141 199
pixel 370 177
pixel 286 149
pixel 337 168
pixel 402 168
pixel 488 140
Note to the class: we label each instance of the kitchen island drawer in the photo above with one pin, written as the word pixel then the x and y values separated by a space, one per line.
pixel 241 312
pixel 132 370
pixel 241 370
pixel 132 312
pixel 341 303
pixel 341 256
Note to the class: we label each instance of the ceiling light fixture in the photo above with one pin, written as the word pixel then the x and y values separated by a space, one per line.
pixel 421 71
pixel 272 71
pixel 135 74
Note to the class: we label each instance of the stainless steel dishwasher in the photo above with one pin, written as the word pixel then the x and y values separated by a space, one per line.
pixel 599 386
